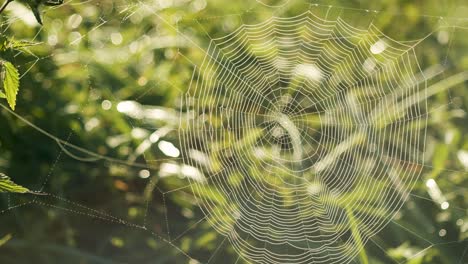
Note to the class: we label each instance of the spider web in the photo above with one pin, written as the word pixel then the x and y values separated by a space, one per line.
pixel 295 144
pixel 297 134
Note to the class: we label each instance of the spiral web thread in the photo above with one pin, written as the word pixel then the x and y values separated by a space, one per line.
pixel 300 121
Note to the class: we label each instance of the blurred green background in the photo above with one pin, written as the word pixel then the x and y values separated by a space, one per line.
pixel 93 55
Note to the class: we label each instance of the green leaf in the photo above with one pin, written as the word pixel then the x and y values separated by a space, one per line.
pixel 10 82
pixel 7 185
pixel 5 239
pixel 20 44
pixel 3 43
pixel 11 44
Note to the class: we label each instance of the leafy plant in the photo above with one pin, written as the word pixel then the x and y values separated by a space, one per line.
pixel 34 5
pixel 9 74
pixel 10 77
pixel 7 185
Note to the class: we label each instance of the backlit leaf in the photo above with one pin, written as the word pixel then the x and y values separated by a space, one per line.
pixel 10 82
pixel 7 185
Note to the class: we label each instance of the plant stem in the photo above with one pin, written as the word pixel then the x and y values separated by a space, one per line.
pixel 356 234
pixel 5 4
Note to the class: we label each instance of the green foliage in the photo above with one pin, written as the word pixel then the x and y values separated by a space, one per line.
pixel 10 76
pixel 64 93
pixel 12 45
pixel 7 185
pixel 35 6
pixel 5 239
pixel 412 255
pixel 356 233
